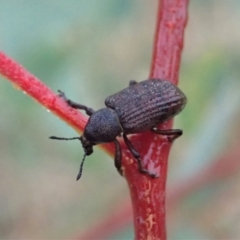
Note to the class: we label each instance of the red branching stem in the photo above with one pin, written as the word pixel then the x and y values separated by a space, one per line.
pixel 148 195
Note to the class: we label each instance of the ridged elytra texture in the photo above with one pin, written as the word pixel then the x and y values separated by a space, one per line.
pixel 143 105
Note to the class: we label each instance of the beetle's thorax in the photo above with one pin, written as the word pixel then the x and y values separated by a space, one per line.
pixel 103 126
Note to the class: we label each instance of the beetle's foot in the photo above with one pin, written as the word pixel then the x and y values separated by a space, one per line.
pixel 69 102
pixel 62 95
pixel 146 172
pixel 171 134
pixel 176 134
pixel 171 138
pixel 120 171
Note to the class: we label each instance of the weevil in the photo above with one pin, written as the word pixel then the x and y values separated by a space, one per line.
pixel 139 107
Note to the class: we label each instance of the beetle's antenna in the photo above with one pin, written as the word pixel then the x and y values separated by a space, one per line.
pixel 81 167
pixel 60 138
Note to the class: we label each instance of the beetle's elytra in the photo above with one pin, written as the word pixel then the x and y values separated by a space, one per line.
pixel 135 109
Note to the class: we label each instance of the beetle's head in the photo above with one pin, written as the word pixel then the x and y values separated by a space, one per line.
pixel 103 126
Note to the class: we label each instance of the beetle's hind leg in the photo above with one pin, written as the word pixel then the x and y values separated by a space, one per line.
pixel 89 111
pixel 137 157
pixel 171 133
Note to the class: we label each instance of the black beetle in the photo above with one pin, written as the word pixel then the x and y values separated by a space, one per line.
pixel 135 109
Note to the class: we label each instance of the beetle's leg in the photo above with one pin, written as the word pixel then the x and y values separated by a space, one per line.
pixel 89 111
pixel 132 82
pixel 137 157
pixel 118 156
pixel 171 133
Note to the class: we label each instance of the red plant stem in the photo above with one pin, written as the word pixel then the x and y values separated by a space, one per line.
pixel 148 195
pixel 29 84
pixel 168 43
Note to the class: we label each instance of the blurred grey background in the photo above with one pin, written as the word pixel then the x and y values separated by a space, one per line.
pixel 91 49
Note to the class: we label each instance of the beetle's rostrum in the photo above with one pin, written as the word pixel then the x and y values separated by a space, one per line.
pixel 135 109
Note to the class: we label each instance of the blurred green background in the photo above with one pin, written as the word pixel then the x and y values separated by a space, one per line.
pixel 91 49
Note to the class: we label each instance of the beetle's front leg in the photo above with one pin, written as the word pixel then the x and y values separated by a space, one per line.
pixel 89 111
pixel 118 157
pixel 137 157
pixel 171 133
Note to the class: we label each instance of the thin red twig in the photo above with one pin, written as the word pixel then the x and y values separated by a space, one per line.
pixel 148 195
pixel 25 81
